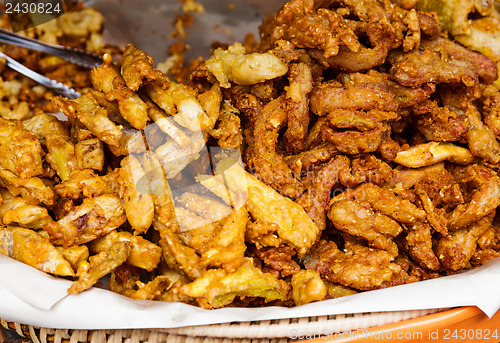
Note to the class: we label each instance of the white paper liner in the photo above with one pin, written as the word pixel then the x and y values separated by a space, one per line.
pixel 32 297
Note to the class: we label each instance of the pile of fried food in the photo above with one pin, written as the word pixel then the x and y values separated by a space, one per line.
pixel 353 148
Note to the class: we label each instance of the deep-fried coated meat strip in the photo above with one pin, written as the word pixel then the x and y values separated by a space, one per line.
pixel 279 259
pixel 419 241
pixel 419 67
pixel 482 141
pixel 300 86
pixel 358 267
pixel 356 142
pixel 302 24
pixel 138 66
pixel 376 228
pixel 331 96
pixel 487 69
pixel 263 158
pixel 438 123
pixel 384 201
pixel 485 198
pixel 307 160
pixel 405 96
pixel 491 108
pixel 315 199
pixel 366 168
pixel 382 37
pixel 455 251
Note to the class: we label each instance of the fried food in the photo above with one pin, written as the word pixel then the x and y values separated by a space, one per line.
pixel 29 247
pixel 138 203
pixel 355 147
pixel 94 117
pixel 308 287
pixel 23 155
pixel 143 253
pixel 94 218
pixel 108 80
pixel 137 66
pixel 216 288
pixel 236 66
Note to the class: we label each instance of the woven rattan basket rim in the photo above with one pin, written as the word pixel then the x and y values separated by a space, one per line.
pixel 264 330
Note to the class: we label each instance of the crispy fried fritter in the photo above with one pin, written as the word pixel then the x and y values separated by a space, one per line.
pixel 27 246
pixel 94 218
pixel 372 137
pixel 358 267
pixel 137 66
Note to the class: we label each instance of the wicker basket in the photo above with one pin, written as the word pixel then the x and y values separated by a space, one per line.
pixel 264 331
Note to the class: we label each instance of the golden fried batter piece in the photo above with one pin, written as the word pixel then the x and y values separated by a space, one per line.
pixel 227 247
pixel 182 103
pixel 484 198
pixel 100 265
pixel 123 279
pixel 17 210
pixel 378 229
pixel 334 291
pixel 89 154
pixel 138 66
pixel 217 288
pixel 167 124
pixel 143 253
pixel 108 80
pixel 94 218
pixel 262 234
pixel 301 84
pixel 34 190
pixel 385 201
pixel 94 117
pixel 84 184
pixel 266 205
pixel 427 154
pixel 279 259
pixel 358 267
pixel 418 67
pixel 235 65
pixel 153 290
pixel 307 286
pixel 136 194
pixel 456 250
pixel 29 216
pixel 20 151
pixel 61 155
pixel 43 124
pixel 419 240
pixel 177 255
pixel 315 199
pixel 262 156
pixel 54 134
pixel 76 255
pixel 204 206
pixel 173 157
pixel 228 130
pixel 29 247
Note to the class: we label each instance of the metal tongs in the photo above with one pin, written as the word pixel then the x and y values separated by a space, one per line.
pixel 78 57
